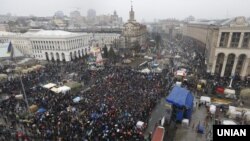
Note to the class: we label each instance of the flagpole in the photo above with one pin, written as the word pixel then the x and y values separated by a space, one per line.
pixel 24 93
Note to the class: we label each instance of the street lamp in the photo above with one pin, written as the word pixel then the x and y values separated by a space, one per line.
pixel 231 81
pixel 24 93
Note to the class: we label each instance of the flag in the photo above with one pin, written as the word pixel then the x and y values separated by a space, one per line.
pixel 10 50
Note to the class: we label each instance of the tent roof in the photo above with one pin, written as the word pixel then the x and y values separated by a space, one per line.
pixel 50 85
pixel 73 84
pixel 56 90
pixel 64 88
pixel 245 92
pixel 146 70
pixel 180 97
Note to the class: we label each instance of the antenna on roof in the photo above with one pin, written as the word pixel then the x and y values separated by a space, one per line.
pixel 131 5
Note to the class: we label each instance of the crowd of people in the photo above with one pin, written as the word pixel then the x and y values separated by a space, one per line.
pixel 117 99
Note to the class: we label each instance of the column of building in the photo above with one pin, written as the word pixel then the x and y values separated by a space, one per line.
pixel 214 65
pixel 229 40
pixel 234 65
pixel 241 39
pixel 224 66
pixel 244 68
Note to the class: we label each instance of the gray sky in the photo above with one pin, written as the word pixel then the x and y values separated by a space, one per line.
pixel 144 9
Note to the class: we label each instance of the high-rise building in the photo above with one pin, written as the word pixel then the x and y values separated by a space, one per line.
pixel 59 15
pixel 91 15
pixel 76 20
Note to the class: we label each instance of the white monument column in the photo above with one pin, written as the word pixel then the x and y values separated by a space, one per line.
pixel 229 39
pixel 234 66
pixel 241 39
pixel 224 66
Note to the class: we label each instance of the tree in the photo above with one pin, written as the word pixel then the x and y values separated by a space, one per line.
pixel 158 40
pixel 105 52
pixel 111 53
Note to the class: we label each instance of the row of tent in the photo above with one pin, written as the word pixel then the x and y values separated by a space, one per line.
pixel 53 87
pixel 146 70
pixel 4 76
pixel 30 69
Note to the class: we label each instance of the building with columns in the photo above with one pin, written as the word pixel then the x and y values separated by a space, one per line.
pixel 55 44
pixel 226 45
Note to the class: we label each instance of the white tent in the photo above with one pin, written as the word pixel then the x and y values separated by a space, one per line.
pixel 145 70
pixel 49 85
pixel 77 99
pixel 177 56
pixel 140 124
pixel 181 73
pixel 178 83
pixel 158 70
pixel 19 96
pixel 205 99
pixel 230 93
pixel 212 109
pixel 55 90
pixel 64 89
pixel 3 76
pixel 228 122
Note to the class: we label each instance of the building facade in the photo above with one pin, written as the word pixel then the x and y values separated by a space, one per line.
pixel 226 44
pixel 55 44
pixel 134 31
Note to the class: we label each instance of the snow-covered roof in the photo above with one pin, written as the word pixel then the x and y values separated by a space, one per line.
pixel 223 22
pixel 53 33
pixel 4 33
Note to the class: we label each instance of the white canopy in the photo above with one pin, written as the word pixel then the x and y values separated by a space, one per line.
pixel 158 70
pixel 64 89
pixel 3 76
pixel 49 85
pixel 77 99
pixel 139 124
pixel 181 73
pixel 229 91
pixel 212 109
pixel 55 90
pixel 145 70
pixel 178 83
pixel 228 122
pixel 177 56
pixel 205 99
pixel 19 96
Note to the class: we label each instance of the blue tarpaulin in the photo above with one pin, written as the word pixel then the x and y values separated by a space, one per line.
pixel 41 110
pixel 181 97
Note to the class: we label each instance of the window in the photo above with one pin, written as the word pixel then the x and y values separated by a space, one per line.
pixel 235 39
pixel 245 41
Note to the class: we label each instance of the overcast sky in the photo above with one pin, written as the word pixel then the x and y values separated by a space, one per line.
pixel 147 10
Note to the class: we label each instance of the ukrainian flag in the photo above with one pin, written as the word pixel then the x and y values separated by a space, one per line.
pixel 10 50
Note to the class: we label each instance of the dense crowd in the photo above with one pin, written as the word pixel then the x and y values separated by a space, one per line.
pixel 109 110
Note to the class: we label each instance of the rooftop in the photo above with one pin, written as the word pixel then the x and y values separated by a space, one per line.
pixel 236 21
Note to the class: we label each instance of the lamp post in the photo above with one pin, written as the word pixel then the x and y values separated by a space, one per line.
pixel 24 93
pixel 231 81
